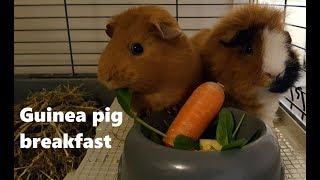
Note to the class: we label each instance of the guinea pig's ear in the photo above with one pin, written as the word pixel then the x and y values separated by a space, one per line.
pixel 287 34
pixel 166 30
pixel 109 29
pixel 228 39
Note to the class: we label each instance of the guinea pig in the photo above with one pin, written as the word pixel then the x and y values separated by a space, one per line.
pixel 149 54
pixel 198 41
pixel 200 38
pixel 249 52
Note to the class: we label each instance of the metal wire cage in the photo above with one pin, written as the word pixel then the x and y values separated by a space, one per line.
pixel 64 38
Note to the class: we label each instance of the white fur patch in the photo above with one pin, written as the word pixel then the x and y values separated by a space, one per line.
pixel 275 52
pixel 270 103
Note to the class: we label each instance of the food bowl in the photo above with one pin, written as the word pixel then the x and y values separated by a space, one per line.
pixel 143 159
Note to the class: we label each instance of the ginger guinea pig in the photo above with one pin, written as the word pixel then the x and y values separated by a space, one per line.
pixel 149 54
pixel 250 53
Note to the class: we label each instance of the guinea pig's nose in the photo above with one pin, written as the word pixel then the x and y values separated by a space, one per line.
pixel 269 75
pixel 108 78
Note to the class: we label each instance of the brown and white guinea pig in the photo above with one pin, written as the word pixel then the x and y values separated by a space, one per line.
pixel 249 52
pixel 149 54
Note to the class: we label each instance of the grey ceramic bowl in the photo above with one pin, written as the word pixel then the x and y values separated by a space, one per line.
pixel 143 159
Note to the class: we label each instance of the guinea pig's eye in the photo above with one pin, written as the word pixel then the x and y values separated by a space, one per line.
pixel 248 50
pixel 136 49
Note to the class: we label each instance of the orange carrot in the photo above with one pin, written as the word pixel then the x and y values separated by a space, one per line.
pixel 197 113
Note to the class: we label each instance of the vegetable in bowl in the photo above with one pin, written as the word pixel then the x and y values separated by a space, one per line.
pixel 203 112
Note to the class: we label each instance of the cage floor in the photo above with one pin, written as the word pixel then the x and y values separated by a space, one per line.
pixel 103 163
pixel 294 161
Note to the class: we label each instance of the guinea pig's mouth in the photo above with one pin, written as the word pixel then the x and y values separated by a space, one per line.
pixel 111 85
pixel 285 80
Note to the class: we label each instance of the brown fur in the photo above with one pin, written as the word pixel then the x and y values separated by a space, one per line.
pixel 200 38
pixel 167 71
pixel 242 76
